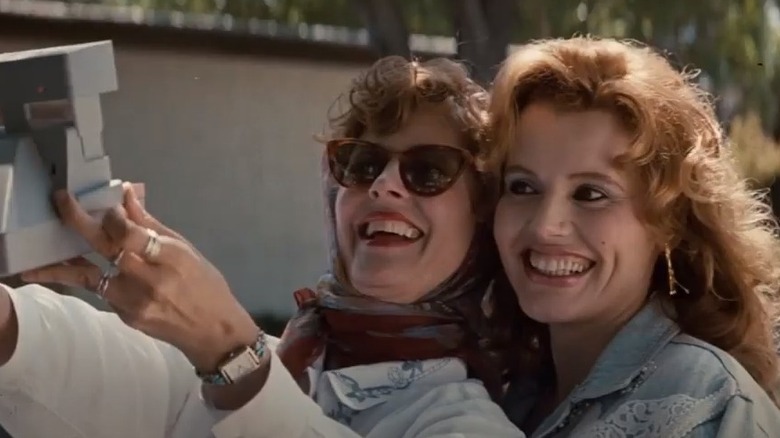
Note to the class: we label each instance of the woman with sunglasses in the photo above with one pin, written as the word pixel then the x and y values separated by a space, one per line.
pixel 395 340
pixel 647 270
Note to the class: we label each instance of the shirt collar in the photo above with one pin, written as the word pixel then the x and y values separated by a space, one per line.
pixel 625 359
pixel 630 352
pixel 365 386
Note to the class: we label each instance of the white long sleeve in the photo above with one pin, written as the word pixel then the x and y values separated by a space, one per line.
pixel 458 409
pixel 79 372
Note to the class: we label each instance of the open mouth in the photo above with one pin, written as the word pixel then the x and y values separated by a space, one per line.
pixel 563 266
pixel 389 232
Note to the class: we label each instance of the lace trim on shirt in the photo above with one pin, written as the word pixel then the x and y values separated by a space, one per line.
pixel 668 417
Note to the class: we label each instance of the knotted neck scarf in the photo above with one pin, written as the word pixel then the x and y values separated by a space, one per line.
pixel 452 320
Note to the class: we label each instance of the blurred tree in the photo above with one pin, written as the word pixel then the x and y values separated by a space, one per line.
pixel 331 12
pixel 483 33
pixel 429 17
pixel 757 155
pixel 732 42
pixel 736 43
pixel 386 26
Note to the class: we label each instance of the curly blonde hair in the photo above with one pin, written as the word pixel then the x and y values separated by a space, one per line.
pixel 722 234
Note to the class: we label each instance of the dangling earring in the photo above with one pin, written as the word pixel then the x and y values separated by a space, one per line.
pixel 670 272
pixel 487 303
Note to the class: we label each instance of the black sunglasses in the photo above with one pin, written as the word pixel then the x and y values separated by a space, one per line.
pixel 426 170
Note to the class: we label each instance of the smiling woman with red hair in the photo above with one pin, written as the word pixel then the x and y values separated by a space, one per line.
pixel 646 268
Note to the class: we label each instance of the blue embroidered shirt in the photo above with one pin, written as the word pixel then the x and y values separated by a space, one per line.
pixel 654 381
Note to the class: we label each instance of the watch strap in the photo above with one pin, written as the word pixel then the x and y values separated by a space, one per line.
pixel 238 363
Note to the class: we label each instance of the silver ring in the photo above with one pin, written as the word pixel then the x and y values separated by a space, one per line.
pixel 108 274
pixel 115 261
pixel 152 249
pixel 103 285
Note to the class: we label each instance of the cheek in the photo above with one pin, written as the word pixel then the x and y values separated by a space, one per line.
pixel 451 214
pixel 621 233
pixel 344 211
pixel 508 221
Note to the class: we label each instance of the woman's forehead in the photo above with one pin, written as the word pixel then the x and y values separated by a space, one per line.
pixel 425 125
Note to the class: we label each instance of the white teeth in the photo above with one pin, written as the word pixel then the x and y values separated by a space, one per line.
pixel 396 227
pixel 558 266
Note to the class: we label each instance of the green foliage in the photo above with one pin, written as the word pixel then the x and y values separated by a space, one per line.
pixel 757 155
pixel 736 43
pixel 732 41
pixel 429 17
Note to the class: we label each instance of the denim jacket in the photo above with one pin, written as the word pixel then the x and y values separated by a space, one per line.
pixel 652 380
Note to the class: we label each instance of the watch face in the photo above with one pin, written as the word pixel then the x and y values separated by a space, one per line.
pixel 241 365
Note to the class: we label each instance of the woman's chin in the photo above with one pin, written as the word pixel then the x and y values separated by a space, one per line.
pixel 393 290
pixel 548 308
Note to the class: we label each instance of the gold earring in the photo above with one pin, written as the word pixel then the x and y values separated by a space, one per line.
pixel 670 272
pixel 487 303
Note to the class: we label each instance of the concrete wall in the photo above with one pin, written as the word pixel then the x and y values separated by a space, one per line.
pixel 224 145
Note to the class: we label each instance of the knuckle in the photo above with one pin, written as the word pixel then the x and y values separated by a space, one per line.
pixel 114 224
pixel 187 256
pixel 124 241
pixel 136 315
pixel 105 246
pixel 161 287
pixel 148 315
pixel 171 282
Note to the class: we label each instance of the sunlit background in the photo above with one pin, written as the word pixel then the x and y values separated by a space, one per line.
pixel 219 100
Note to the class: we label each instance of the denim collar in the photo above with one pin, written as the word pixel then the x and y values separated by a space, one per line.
pixel 629 354
pixel 623 362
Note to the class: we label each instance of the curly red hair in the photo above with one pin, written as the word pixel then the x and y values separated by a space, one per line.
pixel 722 233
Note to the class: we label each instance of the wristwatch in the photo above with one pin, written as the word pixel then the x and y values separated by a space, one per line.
pixel 238 364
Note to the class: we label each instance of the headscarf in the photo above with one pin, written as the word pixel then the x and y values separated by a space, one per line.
pixel 452 320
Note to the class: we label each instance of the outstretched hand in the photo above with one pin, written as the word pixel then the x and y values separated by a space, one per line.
pixel 165 289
